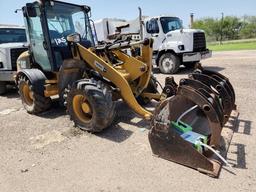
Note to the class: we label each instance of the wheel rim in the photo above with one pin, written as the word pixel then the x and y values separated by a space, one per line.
pixel 168 64
pixel 27 94
pixel 82 108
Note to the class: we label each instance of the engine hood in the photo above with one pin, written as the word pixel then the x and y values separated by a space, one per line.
pixel 13 45
pixel 184 31
pixel 183 37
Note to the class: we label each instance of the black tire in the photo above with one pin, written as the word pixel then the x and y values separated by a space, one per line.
pixel 35 103
pixel 2 88
pixel 190 65
pixel 169 63
pixel 151 88
pixel 98 97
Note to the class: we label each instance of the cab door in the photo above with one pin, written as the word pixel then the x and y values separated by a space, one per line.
pixel 37 41
pixel 153 31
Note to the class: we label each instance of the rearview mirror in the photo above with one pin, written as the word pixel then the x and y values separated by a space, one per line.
pixel 31 10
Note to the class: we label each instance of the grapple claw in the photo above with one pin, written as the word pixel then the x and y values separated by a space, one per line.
pixel 185 126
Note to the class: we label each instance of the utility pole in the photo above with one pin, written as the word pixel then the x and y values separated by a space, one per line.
pixel 221 28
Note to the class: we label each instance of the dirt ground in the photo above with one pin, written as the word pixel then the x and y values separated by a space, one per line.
pixel 45 153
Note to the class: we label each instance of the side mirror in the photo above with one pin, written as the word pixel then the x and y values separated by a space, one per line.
pixel 30 10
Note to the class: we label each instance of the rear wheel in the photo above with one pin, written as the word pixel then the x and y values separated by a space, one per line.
pixel 169 63
pixel 33 102
pixel 90 106
pixel 2 87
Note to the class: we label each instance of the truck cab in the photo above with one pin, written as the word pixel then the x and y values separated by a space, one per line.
pixel 174 45
pixel 12 43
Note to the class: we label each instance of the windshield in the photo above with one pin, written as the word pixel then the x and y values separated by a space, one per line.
pixel 170 24
pixel 12 35
pixel 65 19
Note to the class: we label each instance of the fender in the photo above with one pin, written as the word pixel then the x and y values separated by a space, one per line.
pixel 36 77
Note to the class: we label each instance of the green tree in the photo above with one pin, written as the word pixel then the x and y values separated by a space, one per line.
pixel 249 27
pixel 231 27
pixel 210 26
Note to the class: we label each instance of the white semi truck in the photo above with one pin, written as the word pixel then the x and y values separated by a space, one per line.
pixel 173 45
pixel 12 44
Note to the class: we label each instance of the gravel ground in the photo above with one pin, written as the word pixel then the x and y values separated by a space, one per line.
pixel 45 153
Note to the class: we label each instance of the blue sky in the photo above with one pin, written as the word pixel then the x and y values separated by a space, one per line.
pixel 128 9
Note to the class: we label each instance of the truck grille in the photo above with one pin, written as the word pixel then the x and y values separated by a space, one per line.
pixel 15 53
pixel 199 42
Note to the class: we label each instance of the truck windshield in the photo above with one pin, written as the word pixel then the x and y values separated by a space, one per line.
pixel 170 24
pixel 12 35
pixel 65 19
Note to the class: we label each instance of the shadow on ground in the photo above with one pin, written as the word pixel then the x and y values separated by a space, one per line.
pixel 54 112
pixel 116 132
pixel 11 93
pixel 124 114
pixel 242 127
pixel 238 159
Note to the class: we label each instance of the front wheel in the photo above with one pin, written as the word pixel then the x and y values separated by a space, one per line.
pixel 169 63
pixel 90 105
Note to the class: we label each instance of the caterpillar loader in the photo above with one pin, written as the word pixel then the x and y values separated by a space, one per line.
pixel 63 60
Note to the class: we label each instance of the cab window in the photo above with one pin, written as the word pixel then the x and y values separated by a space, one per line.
pixel 152 26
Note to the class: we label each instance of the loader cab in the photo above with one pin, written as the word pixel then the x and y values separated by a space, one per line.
pixel 48 24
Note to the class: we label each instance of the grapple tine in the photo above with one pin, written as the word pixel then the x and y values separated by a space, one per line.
pixel 207 92
pixel 221 77
pixel 220 89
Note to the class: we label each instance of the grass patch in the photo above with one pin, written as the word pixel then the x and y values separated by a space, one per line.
pixel 233 46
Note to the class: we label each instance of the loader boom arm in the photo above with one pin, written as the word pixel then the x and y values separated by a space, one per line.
pixel 124 75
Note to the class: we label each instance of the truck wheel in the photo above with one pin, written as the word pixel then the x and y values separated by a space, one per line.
pixel 33 102
pixel 90 106
pixel 169 63
pixel 2 87
pixel 190 65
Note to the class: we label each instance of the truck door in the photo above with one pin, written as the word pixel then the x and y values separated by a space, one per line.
pixel 153 31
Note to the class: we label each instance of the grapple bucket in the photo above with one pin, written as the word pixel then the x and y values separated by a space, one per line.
pixel 186 128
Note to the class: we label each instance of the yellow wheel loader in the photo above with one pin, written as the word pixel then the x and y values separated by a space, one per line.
pixel 63 60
